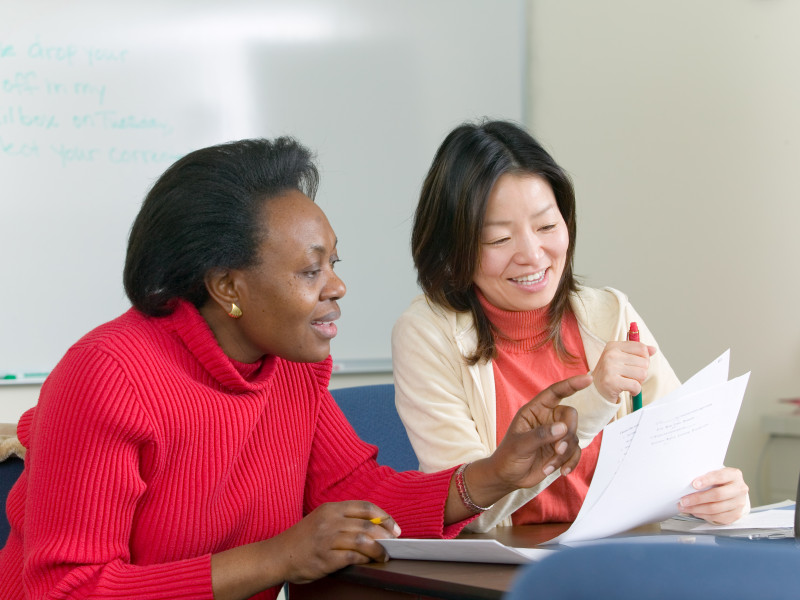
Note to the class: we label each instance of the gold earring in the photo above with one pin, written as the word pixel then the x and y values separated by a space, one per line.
pixel 236 312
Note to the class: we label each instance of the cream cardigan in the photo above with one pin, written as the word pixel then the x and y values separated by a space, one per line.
pixel 448 407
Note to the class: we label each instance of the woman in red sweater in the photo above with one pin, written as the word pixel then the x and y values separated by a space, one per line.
pixel 190 448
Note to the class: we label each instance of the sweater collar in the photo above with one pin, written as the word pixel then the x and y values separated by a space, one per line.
pixel 519 331
pixel 192 329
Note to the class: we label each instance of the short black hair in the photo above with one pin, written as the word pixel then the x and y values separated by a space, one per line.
pixel 203 213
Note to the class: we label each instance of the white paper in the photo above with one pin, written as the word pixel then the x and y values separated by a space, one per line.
pixel 482 551
pixel 649 458
pixel 712 374
pixel 492 551
pixel 768 519
pixel 617 436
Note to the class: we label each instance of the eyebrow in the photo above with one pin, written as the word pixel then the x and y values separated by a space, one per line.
pixel 533 216
pixel 319 249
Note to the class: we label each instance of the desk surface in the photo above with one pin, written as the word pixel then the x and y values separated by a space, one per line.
pixel 400 579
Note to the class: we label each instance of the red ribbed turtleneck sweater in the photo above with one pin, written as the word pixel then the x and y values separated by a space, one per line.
pixel 522 370
pixel 149 450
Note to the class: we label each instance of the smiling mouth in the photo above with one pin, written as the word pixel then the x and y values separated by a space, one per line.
pixel 321 323
pixel 325 326
pixel 530 279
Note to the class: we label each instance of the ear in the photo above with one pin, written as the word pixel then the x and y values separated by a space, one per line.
pixel 223 287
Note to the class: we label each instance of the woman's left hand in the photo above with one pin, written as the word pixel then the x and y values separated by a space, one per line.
pixel 724 501
pixel 622 367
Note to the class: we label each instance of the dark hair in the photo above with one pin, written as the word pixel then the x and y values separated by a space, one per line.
pixel 445 240
pixel 203 213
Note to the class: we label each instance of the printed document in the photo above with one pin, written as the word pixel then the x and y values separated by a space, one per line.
pixel 649 458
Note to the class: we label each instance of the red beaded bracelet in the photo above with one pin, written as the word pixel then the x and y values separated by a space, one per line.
pixel 461 485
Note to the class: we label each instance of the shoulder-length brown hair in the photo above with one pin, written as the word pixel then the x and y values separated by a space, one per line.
pixel 445 240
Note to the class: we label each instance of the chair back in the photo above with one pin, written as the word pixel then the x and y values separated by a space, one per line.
pixel 10 470
pixel 372 413
pixel 722 568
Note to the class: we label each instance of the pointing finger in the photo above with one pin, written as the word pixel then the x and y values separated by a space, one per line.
pixel 553 395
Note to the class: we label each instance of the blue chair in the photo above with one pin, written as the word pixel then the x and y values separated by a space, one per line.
pixel 372 413
pixel 10 470
pixel 737 570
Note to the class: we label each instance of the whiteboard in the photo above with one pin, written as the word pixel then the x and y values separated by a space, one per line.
pixel 98 98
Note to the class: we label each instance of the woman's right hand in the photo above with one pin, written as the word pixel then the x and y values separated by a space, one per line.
pixel 622 367
pixel 331 537
pixel 540 439
pixel 334 536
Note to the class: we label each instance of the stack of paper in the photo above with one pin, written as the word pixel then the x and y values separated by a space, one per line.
pixel 773 521
pixel 482 551
pixel 649 458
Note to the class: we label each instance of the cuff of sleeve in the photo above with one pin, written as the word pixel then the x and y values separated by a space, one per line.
pixel 189 578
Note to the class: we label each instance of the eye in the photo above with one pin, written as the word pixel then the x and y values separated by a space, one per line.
pixel 311 272
pixel 334 260
pixel 497 242
pixel 549 227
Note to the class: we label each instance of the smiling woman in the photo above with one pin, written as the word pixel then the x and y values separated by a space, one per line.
pixel 190 447
pixel 503 317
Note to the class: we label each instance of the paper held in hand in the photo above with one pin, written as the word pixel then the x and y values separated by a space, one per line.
pixel 647 462
pixel 649 458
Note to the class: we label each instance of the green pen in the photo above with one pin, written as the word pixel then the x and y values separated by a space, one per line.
pixel 633 336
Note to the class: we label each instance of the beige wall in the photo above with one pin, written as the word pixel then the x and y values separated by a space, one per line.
pixel 16 399
pixel 680 123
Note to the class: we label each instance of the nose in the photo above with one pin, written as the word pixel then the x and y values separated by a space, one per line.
pixel 529 249
pixel 334 288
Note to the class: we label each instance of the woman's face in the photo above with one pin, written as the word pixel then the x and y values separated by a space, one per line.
pixel 523 244
pixel 289 299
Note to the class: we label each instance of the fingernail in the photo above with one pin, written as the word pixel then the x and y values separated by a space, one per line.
pixel 396 530
pixel 558 429
pixel 566 470
pixel 561 448
pixel 548 469
pixel 697 484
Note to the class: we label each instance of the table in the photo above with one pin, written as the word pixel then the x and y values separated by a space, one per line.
pixel 421 579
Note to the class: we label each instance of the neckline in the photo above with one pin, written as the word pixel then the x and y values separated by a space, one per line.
pixel 523 330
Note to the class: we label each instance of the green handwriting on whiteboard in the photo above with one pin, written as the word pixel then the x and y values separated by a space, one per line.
pixel 72 104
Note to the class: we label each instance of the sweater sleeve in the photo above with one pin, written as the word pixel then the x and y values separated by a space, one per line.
pixel 431 396
pixel 84 484
pixel 343 467
pixel 604 316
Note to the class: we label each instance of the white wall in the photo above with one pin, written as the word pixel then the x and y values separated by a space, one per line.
pixel 680 124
